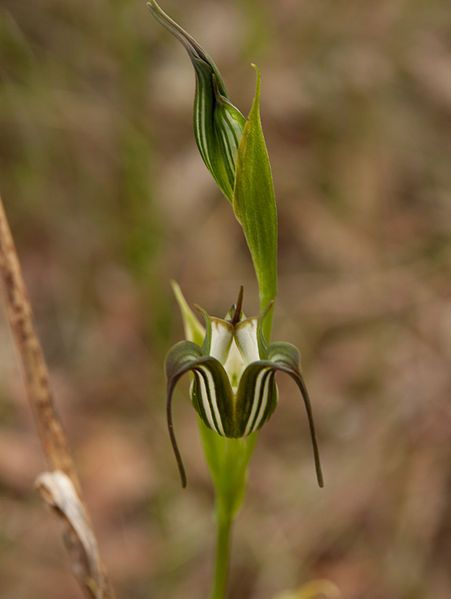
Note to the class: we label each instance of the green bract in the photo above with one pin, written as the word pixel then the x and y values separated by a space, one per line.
pixel 233 388
pixel 255 205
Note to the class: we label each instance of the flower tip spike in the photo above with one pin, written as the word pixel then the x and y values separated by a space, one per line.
pixel 238 307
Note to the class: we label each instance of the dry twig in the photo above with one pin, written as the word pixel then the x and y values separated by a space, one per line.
pixel 59 488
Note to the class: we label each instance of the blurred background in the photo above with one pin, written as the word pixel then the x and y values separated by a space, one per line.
pixel 108 200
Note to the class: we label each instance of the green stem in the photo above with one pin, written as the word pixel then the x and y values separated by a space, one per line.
pixel 224 523
pixel 228 460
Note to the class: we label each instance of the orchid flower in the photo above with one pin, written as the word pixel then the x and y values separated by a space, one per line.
pixel 234 389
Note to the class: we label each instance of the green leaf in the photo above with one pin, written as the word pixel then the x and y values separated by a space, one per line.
pixel 255 206
pixel 218 124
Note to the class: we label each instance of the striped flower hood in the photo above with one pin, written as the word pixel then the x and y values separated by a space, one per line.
pixel 233 388
pixel 218 124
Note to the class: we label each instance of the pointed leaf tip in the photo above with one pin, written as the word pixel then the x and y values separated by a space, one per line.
pixel 194 331
pixel 259 80
pixel 254 203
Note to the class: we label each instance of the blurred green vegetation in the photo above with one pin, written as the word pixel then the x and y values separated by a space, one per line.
pixel 109 200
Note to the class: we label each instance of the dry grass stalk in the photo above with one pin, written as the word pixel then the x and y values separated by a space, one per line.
pixel 59 488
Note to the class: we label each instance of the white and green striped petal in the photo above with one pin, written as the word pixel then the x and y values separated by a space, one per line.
pixel 218 124
pixel 256 398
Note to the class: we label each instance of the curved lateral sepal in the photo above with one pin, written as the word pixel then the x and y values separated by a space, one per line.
pixel 212 393
pixel 285 358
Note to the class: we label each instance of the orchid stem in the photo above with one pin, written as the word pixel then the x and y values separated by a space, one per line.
pixel 224 522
